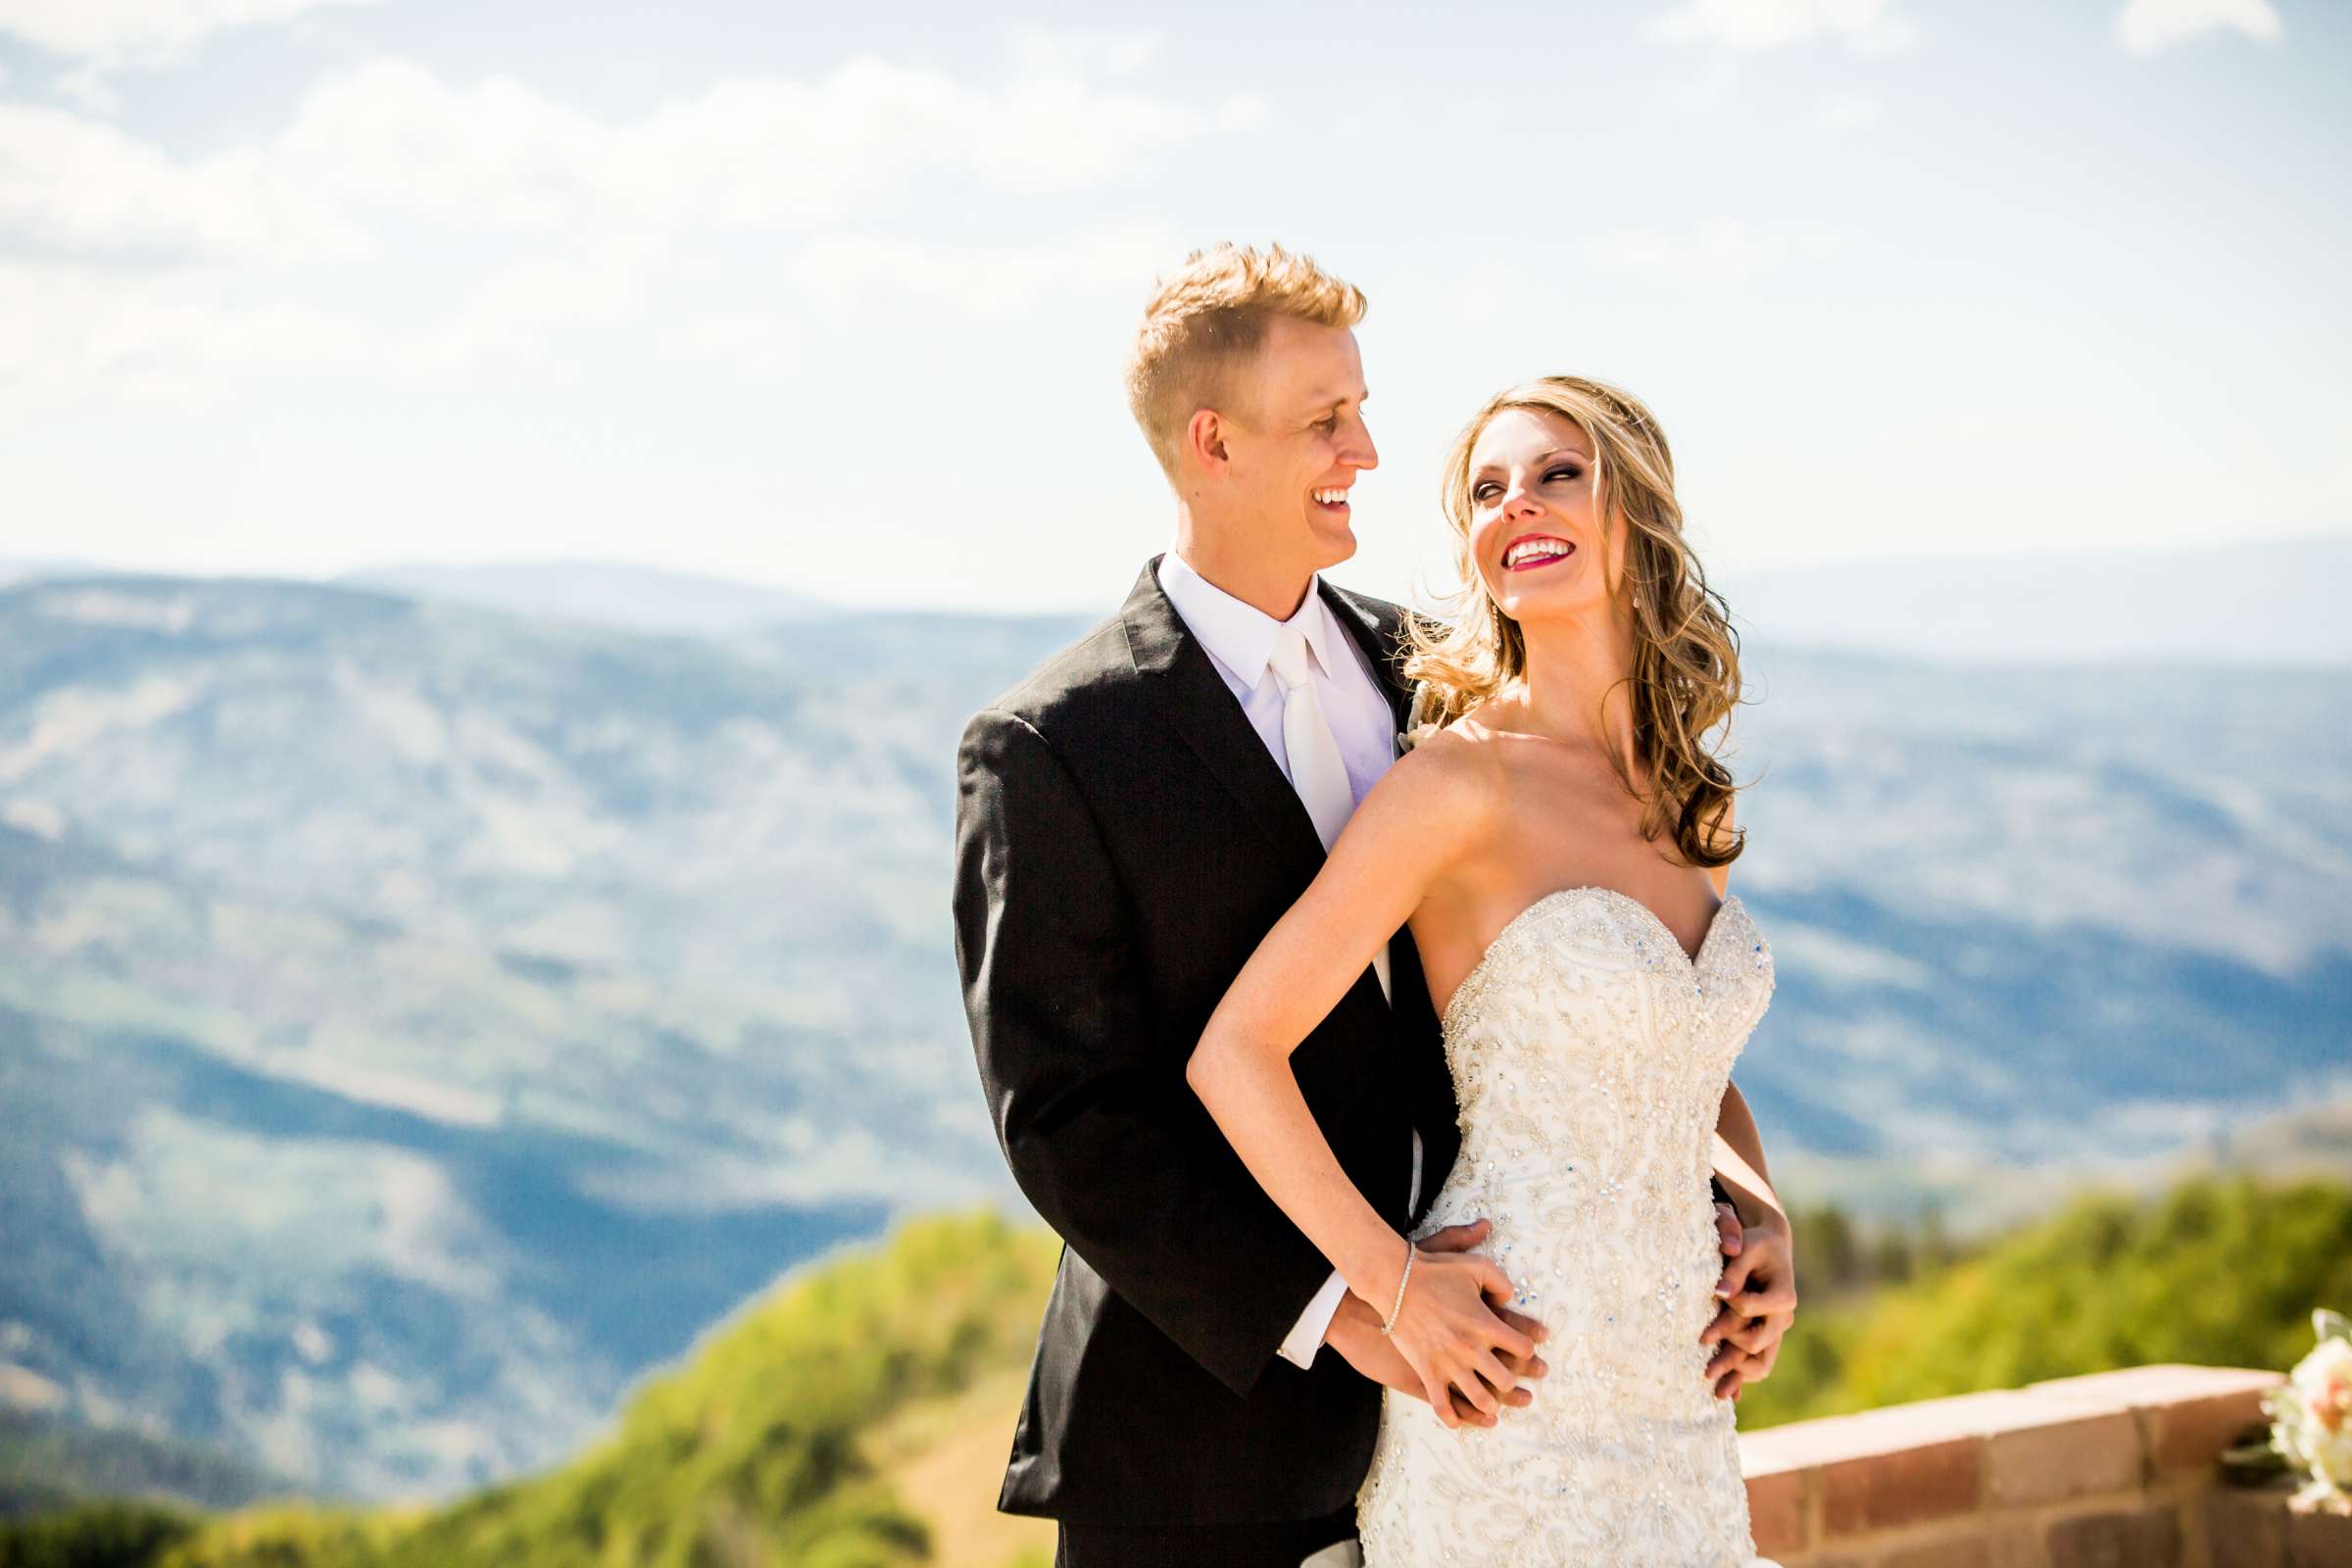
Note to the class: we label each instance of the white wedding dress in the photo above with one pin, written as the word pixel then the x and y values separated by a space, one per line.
pixel 1590 1055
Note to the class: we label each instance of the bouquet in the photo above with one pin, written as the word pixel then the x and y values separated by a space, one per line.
pixel 2310 1420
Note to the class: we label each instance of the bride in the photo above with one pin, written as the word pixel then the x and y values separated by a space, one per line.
pixel 1558 843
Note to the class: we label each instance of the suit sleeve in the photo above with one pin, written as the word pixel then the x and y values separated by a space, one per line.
pixel 1102 1134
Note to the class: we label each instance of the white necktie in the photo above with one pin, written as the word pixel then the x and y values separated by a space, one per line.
pixel 1316 771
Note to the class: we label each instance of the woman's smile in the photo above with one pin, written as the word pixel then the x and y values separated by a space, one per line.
pixel 1533 552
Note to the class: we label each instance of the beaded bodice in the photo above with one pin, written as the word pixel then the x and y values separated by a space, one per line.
pixel 1590 1055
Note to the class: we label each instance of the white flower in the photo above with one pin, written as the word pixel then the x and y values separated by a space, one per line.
pixel 2311 1417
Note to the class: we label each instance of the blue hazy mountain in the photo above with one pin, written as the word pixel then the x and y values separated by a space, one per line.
pixel 417 1020
pixel 2271 601
pixel 596 592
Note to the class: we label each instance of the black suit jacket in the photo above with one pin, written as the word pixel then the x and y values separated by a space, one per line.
pixel 1123 841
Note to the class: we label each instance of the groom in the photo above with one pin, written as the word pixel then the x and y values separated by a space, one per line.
pixel 1132 819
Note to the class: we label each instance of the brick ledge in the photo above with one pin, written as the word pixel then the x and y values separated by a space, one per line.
pixel 2113 1468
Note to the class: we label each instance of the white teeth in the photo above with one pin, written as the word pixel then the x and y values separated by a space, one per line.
pixel 1331 498
pixel 1535 548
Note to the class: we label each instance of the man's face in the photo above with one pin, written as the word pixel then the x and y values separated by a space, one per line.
pixel 1295 439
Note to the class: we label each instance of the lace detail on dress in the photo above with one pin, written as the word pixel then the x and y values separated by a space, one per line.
pixel 1590 1056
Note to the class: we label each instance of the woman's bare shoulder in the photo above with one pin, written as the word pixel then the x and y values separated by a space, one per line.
pixel 1457 770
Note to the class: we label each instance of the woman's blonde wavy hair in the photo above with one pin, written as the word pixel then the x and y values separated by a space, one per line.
pixel 1686 674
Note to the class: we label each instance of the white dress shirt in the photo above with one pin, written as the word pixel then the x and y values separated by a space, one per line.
pixel 1238 638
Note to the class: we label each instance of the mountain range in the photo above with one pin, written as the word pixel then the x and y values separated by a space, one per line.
pixel 2240 603
pixel 418 1020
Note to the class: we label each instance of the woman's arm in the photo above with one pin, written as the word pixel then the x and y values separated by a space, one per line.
pixel 1433 807
pixel 1740 1165
pixel 1759 1282
pixel 1738 1147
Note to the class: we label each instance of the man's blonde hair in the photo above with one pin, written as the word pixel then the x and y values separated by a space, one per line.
pixel 1211 315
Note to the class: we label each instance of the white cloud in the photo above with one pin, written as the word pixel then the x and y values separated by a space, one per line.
pixel 1486 293
pixel 841 271
pixel 1869 25
pixel 1709 87
pixel 1083 53
pixel 67 332
pixel 1130 56
pixel 755 343
pixel 1847 111
pixel 112 27
pixel 747 155
pixel 545 215
pixel 86 87
pixel 522 304
pixel 2143 26
pixel 1721 255
pixel 72 184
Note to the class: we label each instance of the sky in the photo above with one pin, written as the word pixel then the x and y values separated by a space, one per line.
pixel 835 299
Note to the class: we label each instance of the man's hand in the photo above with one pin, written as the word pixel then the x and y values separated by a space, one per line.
pixel 1759 1292
pixel 1355 1333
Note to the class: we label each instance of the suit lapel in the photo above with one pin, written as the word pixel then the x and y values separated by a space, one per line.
pixel 1194 701
pixel 1382 638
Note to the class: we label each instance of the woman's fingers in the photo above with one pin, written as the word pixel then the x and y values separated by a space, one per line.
pixel 1468 1413
pixel 1728 1317
pixel 1468 1320
pixel 1738 1272
pixel 1511 1342
pixel 1764 1299
pixel 1745 1311
pixel 1749 1366
pixel 1459 1343
pixel 1440 1398
pixel 1474 1389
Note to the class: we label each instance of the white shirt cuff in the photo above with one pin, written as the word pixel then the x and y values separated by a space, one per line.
pixel 1307 1335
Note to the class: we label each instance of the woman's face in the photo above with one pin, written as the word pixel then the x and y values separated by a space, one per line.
pixel 1536 523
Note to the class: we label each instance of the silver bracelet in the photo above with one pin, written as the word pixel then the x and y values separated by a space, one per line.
pixel 1401 1284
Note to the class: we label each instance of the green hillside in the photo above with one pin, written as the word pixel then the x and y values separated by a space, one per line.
pixel 751 1452
pixel 857 1417
pixel 2218 1272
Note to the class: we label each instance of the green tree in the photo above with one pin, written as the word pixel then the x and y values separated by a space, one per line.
pixel 2223 1272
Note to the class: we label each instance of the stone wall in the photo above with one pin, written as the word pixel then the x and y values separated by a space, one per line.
pixel 2116 1470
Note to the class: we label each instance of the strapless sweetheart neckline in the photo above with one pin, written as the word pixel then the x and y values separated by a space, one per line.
pixel 1486 961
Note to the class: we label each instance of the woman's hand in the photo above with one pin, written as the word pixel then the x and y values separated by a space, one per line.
pixel 1759 1305
pixel 1355 1333
pixel 1449 1333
